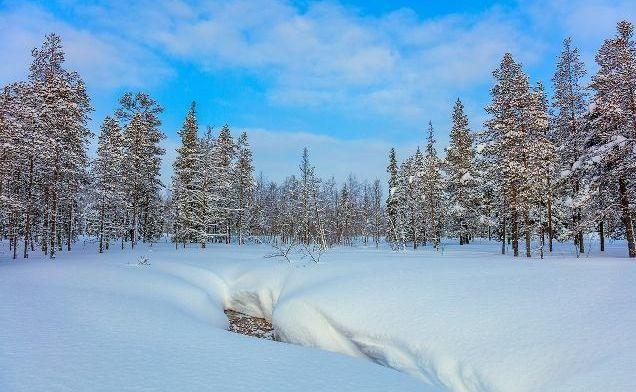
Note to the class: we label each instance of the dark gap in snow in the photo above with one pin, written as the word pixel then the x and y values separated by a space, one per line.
pixel 249 325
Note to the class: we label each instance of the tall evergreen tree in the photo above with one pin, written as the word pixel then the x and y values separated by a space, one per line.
pixel 224 152
pixel 244 183
pixel 187 195
pixel 506 142
pixel 433 185
pixel 64 113
pixel 612 140
pixel 139 115
pixel 461 178
pixel 570 107
pixel 392 202
pixel 108 204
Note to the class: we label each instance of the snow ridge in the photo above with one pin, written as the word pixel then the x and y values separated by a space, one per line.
pixel 298 321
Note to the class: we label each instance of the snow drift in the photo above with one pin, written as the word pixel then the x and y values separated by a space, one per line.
pixel 462 320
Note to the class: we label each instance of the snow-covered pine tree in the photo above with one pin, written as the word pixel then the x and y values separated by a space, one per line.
pixel 392 202
pixel 63 113
pixel 13 130
pixel 411 196
pixel 461 184
pixel 208 183
pixel 244 184
pixel 570 106
pixel 224 153
pixel 107 191
pixel 432 184
pixel 505 145
pixel 139 116
pixel 187 195
pixel 543 161
pixel 612 138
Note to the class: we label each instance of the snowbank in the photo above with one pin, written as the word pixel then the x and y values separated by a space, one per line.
pixel 462 320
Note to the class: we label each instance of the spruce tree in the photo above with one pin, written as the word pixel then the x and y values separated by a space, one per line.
pixel 505 145
pixel 187 195
pixel 244 183
pixel 570 106
pixel 139 116
pixel 433 185
pixel 107 207
pixel 224 153
pixel 64 113
pixel 392 202
pixel 461 178
pixel 612 138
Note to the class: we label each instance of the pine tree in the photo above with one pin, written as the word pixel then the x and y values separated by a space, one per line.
pixel 570 106
pixel 612 140
pixel 187 194
pixel 377 215
pixel 433 185
pixel 392 203
pixel 108 204
pixel 244 183
pixel 461 178
pixel 543 162
pixel 139 115
pixel 505 145
pixel 64 111
pixel 411 200
pixel 224 152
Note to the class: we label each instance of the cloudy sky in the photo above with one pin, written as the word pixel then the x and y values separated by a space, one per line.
pixel 348 79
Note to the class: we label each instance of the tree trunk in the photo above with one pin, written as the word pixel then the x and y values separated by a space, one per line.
pixel 526 223
pixel 45 224
pixel 503 236
pixel 101 228
pixel 542 242
pixel 577 220
pixel 70 226
pixel 15 243
pixel 53 226
pixel 601 233
pixel 27 221
pixel 413 223
pixel 627 217
pixel 550 229
pixel 515 225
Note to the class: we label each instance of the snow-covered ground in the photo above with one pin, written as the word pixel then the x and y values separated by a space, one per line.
pixel 465 319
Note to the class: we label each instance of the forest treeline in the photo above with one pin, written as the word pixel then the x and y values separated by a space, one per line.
pixel 541 169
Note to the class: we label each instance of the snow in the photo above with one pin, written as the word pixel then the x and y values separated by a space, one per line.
pixel 466 177
pixel 464 319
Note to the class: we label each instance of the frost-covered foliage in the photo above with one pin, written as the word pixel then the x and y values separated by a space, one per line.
pixel 43 149
pixel 533 173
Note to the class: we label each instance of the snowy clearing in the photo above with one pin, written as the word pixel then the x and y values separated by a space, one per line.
pixel 465 319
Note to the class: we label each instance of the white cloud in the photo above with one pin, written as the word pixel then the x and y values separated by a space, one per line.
pixel 325 54
pixel 104 60
pixel 397 66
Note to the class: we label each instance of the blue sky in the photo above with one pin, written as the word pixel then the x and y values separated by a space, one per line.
pixel 348 79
